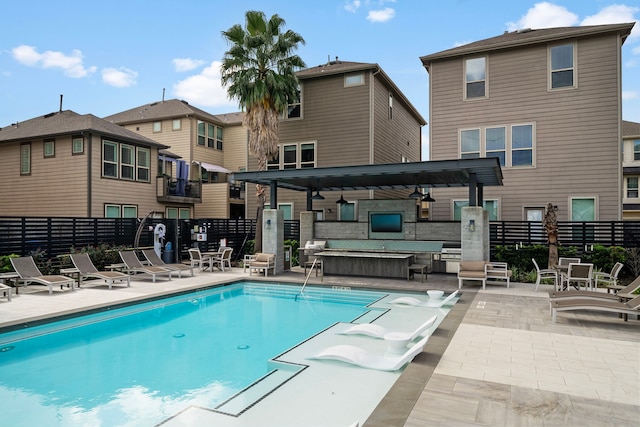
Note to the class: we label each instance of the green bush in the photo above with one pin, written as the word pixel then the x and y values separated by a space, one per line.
pixel 5 263
pixel 294 251
pixel 101 255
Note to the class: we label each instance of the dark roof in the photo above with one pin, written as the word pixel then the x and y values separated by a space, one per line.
pixel 440 173
pixel 69 122
pixel 630 129
pixel 526 37
pixel 169 109
pixel 344 67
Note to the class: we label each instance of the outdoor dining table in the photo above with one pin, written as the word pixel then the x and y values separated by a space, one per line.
pixel 212 257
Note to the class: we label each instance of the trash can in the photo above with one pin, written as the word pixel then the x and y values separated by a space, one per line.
pixel 167 255
pixel 287 258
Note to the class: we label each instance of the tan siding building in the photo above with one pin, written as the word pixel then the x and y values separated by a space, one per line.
pixel 548 103
pixel 631 171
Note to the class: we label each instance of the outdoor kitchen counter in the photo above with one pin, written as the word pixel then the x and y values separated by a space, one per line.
pixel 375 264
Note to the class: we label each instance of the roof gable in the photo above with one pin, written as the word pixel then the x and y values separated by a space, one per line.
pixel 172 108
pixel 630 129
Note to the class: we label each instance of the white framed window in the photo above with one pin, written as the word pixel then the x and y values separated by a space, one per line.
pixel 49 148
pixel 25 158
pixel 77 145
pixel 490 205
pixel 631 187
pixel 219 141
pixel 582 209
pixel 347 211
pixel 294 107
pixel 143 166
pixel 513 145
pixel 211 135
pixel 636 149
pixel 562 70
pixel 184 213
pixel 176 124
pixel 287 210
pixel 294 156
pixel 475 78
pixel 171 213
pixel 390 106
pixel 202 133
pixel 127 161
pixel 111 211
pixel 355 79
pixel 157 127
pixel 129 211
pixel 109 159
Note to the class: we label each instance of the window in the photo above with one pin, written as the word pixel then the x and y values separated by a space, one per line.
pixel 77 145
pixel 25 159
pixel 512 145
pixel 184 213
pixel 287 210
pixel 583 209
pixel 632 187
pixel 175 213
pixel 496 145
pixel 176 124
pixel 561 58
pixel 144 164
pixel 49 148
pixel 390 106
pixel 120 211
pixel 636 149
pixel 219 138
pixel 127 161
pixel 157 127
pixel 109 159
pixel 211 135
pixel 294 107
pixel 475 73
pixel 491 206
pixel 354 79
pixel 202 135
pixel 134 162
pixel 522 145
pixel 347 211
pixel 294 156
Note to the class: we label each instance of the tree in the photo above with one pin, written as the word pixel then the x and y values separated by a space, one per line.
pixel 550 224
pixel 259 71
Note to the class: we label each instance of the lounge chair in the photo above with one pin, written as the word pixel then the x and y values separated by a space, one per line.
pixel 156 261
pixel 625 292
pixel 85 267
pixel 29 273
pixel 415 302
pixel 360 357
pixel 133 265
pixel 397 341
pixel 623 308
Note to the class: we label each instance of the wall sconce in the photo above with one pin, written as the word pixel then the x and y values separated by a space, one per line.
pixel 472 225
pixel 268 223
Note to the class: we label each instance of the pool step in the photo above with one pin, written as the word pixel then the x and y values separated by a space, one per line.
pixel 257 391
pixel 327 295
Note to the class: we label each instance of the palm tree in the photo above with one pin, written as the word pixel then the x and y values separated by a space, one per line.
pixel 550 224
pixel 259 70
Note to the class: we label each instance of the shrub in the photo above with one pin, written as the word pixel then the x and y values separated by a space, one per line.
pixel 5 263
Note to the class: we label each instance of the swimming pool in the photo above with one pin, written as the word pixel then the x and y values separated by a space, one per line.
pixel 218 349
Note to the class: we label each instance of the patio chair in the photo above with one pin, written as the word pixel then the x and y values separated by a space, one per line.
pixel 29 273
pixel 580 274
pixel 622 308
pixel 156 261
pixel 563 266
pixel 545 273
pixel 86 269
pixel 609 279
pixel 415 302
pixel 197 259
pixel 363 358
pixel 133 265
pixel 222 260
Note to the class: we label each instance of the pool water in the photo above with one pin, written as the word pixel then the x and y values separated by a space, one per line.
pixel 139 365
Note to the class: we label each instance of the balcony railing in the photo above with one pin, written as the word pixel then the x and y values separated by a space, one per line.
pixel 178 190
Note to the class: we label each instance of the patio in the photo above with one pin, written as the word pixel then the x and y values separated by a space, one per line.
pixel 496 360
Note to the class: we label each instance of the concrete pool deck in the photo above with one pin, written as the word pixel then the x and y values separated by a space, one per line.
pixel 495 360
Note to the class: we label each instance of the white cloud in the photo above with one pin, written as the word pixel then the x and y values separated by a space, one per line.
pixel 382 15
pixel 629 94
pixel 186 64
pixel 352 6
pixel 122 77
pixel 614 14
pixel 71 65
pixel 636 50
pixel 545 15
pixel 204 89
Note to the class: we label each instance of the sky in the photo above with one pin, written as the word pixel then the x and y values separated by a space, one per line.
pixel 107 57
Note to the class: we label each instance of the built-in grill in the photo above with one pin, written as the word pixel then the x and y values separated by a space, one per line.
pixel 451 256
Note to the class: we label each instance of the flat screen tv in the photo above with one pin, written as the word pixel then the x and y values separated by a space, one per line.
pixel 385 222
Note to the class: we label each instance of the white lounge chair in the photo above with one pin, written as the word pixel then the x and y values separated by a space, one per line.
pixel 376 331
pixel 133 265
pixel 29 273
pixel 85 268
pixel 360 357
pixel 415 302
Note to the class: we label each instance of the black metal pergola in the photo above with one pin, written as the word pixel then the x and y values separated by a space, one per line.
pixel 472 173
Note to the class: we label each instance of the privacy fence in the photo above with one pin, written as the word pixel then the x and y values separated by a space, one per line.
pixel 57 236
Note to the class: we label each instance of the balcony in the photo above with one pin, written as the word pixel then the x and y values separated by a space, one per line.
pixel 172 190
